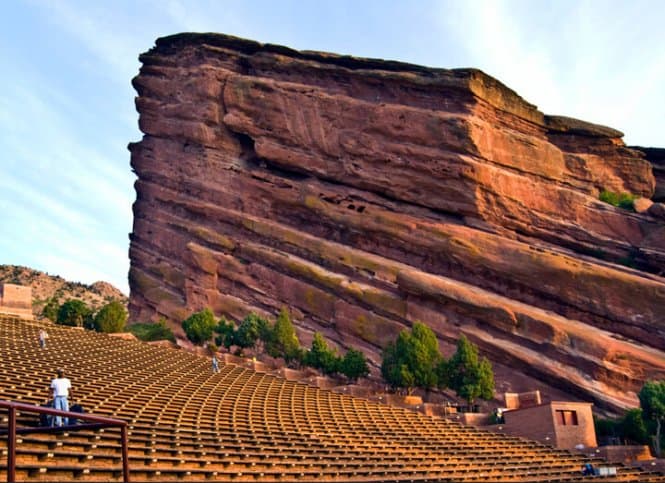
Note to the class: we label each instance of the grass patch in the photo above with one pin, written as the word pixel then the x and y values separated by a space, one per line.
pixel 621 200
pixel 150 331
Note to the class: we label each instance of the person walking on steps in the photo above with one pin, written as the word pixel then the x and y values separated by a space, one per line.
pixel 62 388
pixel 215 365
pixel 43 335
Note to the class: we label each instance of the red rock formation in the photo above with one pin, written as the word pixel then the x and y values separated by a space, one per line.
pixel 368 194
pixel 656 156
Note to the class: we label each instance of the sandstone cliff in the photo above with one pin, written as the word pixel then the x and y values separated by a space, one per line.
pixel 368 194
pixel 656 156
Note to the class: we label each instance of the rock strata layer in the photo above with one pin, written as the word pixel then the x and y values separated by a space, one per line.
pixel 368 194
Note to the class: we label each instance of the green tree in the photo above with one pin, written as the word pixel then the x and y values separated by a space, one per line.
pixel 50 310
pixel 199 326
pixel 249 331
pixel 265 334
pixel 632 426
pixel 354 365
pixel 652 401
pixel 283 340
pixel 391 367
pixel 470 377
pixel 411 361
pixel 226 333
pixel 606 428
pixel 320 356
pixel 73 313
pixel 111 318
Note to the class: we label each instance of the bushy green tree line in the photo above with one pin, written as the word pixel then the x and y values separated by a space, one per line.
pixel 413 361
pixel 278 339
pixel 652 402
pixel 353 364
pixel 641 425
pixel 112 317
pixel 150 331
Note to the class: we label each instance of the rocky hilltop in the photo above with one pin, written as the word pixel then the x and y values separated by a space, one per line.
pixel 45 286
pixel 368 194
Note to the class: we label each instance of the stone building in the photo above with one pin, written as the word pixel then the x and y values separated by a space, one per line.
pixel 567 425
pixel 16 300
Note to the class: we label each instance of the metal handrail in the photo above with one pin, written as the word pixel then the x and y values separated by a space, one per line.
pixel 96 422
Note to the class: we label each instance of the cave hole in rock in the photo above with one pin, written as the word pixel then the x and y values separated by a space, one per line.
pixel 359 208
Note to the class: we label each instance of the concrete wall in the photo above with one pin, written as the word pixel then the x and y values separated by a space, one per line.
pixel 625 454
pixel 534 423
pixel 517 400
pixel 16 300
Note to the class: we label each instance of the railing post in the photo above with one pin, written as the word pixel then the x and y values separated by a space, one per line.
pixel 11 446
pixel 98 422
pixel 125 455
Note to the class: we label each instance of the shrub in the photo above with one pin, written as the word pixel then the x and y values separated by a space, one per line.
pixel 151 332
pixel 50 310
pixel 73 313
pixel 622 200
pixel 199 326
pixel 354 365
pixel 111 318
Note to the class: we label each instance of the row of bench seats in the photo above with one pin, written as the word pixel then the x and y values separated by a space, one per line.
pixel 188 424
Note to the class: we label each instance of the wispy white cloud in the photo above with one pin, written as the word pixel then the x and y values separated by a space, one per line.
pixel 99 30
pixel 497 43
pixel 39 139
pixel 599 61
pixel 47 242
pixel 60 194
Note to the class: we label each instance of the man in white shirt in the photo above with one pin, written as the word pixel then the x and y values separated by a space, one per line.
pixel 61 390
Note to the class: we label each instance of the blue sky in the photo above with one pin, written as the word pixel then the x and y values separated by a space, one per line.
pixel 67 105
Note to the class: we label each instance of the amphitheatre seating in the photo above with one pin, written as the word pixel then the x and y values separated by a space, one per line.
pixel 188 424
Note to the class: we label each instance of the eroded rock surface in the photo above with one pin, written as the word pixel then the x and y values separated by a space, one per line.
pixel 656 156
pixel 368 194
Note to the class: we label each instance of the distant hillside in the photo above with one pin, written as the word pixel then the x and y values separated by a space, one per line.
pixel 45 286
